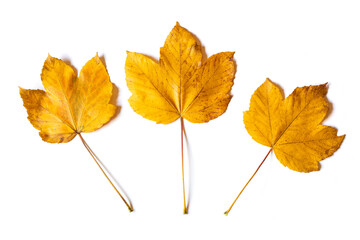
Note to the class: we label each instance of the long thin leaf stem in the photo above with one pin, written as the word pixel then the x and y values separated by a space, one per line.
pixel 227 212
pixel 102 170
pixel 185 211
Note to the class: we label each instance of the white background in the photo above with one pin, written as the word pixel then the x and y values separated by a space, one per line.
pixel 55 191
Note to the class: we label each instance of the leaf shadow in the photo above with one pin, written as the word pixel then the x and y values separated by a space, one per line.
pixel 279 87
pixel 115 182
pixel 235 72
pixel 109 174
pixel 330 105
pixel 202 48
pixel 68 62
pixel 114 95
pixel 190 169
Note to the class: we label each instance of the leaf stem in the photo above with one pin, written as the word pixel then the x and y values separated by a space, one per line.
pixel 185 211
pixel 102 170
pixel 227 212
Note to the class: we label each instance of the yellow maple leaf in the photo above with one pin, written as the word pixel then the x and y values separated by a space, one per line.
pixel 71 105
pixel 291 127
pixel 179 85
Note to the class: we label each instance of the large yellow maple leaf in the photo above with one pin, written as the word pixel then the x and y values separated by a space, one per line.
pixel 292 127
pixel 70 105
pixel 179 85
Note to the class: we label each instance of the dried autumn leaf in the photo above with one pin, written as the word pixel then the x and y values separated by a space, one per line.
pixel 179 85
pixel 70 105
pixel 292 127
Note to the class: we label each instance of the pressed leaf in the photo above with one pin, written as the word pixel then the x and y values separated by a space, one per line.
pixel 179 85
pixel 70 105
pixel 292 127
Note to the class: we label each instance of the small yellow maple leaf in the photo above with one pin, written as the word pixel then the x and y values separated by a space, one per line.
pixel 179 85
pixel 70 105
pixel 292 127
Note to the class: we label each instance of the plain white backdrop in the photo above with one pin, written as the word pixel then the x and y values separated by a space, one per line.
pixel 56 191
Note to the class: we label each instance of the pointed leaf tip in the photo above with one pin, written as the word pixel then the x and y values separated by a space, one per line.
pixel 97 59
pixel 49 58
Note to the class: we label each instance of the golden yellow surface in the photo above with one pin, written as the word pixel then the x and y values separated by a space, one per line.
pixel 179 85
pixel 69 105
pixel 292 127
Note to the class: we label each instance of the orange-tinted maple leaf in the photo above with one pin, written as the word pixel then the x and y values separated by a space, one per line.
pixel 179 85
pixel 291 127
pixel 71 104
